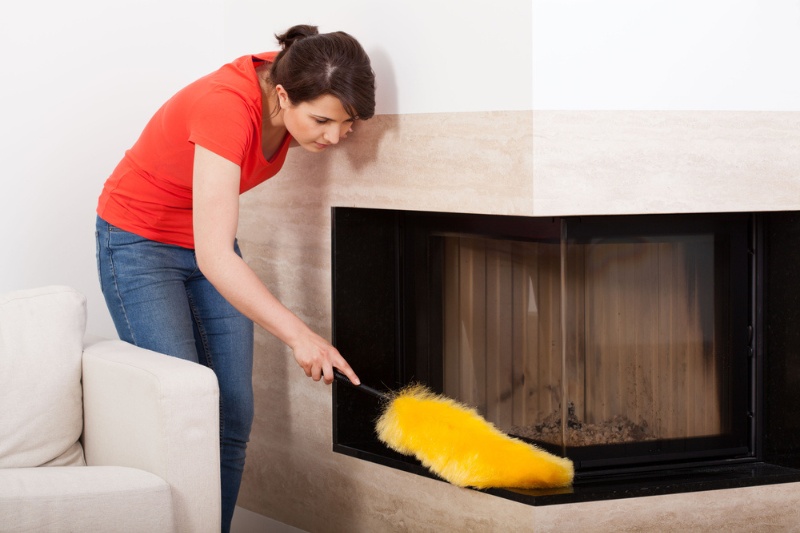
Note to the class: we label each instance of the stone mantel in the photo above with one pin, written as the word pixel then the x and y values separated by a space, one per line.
pixel 628 162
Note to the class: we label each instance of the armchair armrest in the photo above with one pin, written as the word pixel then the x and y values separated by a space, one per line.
pixel 160 414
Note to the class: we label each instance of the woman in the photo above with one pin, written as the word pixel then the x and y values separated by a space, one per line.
pixel 169 265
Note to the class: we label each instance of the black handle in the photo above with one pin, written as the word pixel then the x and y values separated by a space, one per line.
pixel 344 379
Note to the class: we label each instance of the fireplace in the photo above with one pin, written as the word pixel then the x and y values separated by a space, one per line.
pixel 648 349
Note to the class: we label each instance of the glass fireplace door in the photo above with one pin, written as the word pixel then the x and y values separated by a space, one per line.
pixel 626 342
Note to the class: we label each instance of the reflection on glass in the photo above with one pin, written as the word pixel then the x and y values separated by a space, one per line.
pixel 645 343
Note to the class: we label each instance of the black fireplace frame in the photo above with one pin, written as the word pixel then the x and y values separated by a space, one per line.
pixel 371 251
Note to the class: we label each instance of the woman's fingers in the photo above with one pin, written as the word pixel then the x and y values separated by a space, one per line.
pixel 318 359
pixel 345 369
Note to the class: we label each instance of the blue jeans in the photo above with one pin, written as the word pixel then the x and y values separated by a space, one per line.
pixel 160 300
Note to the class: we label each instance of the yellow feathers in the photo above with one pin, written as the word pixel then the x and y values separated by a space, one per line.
pixel 456 443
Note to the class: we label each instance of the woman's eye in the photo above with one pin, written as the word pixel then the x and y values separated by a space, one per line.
pixel 320 121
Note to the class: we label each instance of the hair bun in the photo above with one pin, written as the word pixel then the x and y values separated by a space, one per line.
pixel 296 33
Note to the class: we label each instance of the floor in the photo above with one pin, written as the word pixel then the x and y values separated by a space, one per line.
pixel 245 521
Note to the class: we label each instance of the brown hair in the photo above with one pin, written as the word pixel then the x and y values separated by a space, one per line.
pixel 311 65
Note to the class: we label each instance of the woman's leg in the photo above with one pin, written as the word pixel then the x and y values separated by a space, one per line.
pixel 143 285
pixel 225 344
pixel 160 300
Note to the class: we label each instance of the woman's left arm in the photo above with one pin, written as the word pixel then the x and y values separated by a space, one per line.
pixel 216 217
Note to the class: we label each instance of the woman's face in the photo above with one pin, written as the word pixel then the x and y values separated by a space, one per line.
pixel 317 124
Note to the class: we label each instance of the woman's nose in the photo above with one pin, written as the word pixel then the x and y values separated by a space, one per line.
pixel 332 134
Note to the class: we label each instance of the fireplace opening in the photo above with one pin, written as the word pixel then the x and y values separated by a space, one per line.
pixel 610 343
pixel 634 345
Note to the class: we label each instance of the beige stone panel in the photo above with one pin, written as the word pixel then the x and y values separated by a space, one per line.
pixel 454 162
pixel 763 509
pixel 616 162
pixel 461 162
pixel 346 495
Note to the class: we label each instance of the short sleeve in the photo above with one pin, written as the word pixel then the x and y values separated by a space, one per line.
pixel 221 121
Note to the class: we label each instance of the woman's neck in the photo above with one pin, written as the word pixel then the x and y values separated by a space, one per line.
pixel 271 114
pixel 273 129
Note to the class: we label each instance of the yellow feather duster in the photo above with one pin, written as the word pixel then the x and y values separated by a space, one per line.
pixel 453 441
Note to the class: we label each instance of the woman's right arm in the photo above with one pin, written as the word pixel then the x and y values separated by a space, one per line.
pixel 216 217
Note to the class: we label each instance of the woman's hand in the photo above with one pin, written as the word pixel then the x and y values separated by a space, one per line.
pixel 317 357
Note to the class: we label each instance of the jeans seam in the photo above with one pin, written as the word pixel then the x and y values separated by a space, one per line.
pixel 113 271
pixel 209 359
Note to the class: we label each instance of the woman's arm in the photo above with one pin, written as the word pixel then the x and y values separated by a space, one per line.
pixel 216 217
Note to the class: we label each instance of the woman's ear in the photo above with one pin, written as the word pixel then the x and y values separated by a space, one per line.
pixel 283 96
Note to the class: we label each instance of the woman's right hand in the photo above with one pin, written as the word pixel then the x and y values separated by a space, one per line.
pixel 317 357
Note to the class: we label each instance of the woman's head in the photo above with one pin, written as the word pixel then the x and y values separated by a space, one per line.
pixel 311 65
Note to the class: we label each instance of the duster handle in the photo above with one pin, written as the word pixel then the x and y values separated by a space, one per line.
pixel 344 379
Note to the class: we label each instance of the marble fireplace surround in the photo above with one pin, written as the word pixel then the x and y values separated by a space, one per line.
pixel 529 163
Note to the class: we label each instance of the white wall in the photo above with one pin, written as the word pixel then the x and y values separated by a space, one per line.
pixel 666 55
pixel 80 79
pixel 430 56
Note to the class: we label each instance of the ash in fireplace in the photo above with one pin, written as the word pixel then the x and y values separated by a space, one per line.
pixel 619 429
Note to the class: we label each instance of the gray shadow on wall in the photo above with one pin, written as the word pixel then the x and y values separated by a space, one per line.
pixel 386 101
pixel 386 105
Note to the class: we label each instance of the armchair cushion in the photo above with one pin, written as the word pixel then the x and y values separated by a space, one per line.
pixel 41 344
pixel 66 499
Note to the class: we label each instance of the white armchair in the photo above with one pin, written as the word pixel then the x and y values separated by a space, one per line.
pixel 100 435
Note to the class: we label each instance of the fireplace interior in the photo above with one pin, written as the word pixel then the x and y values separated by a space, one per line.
pixel 649 349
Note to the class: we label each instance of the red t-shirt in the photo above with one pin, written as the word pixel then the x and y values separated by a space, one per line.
pixel 150 191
